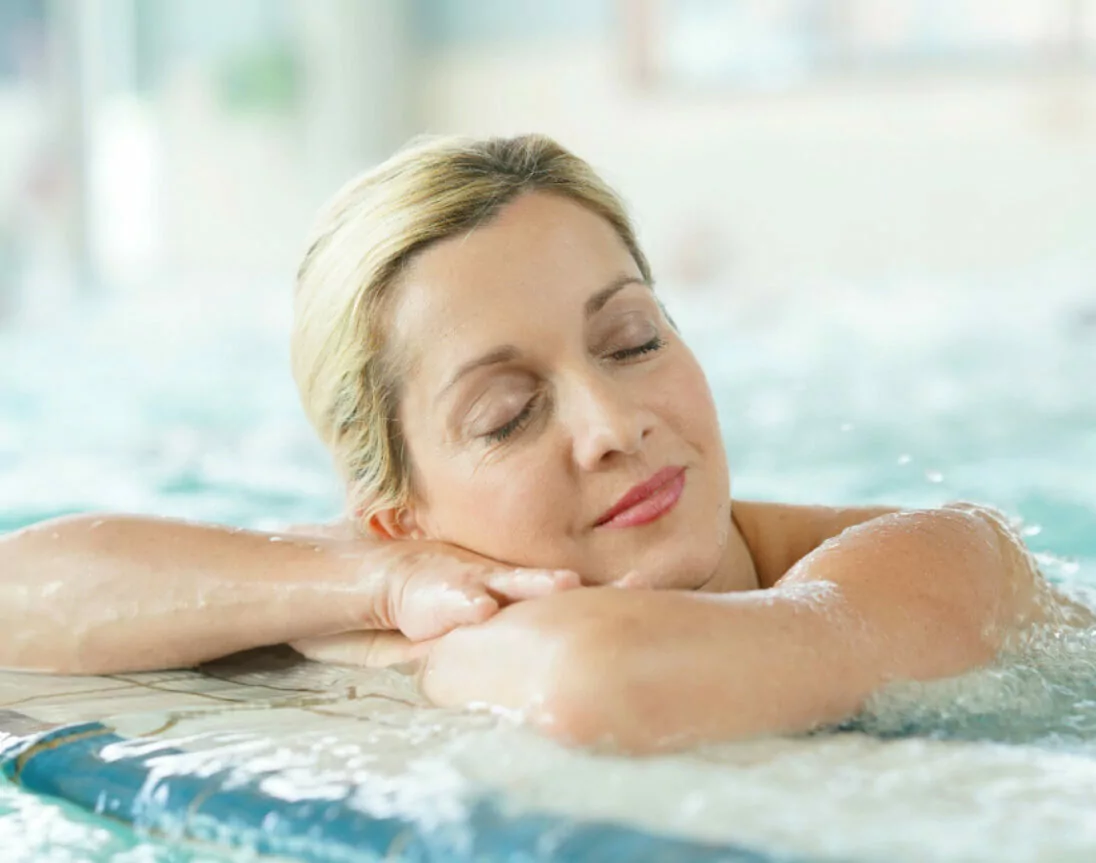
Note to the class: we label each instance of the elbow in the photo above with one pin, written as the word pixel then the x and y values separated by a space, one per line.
pixel 994 582
pixel 598 697
pixel 953 613
pixel 574 716
pixel 576 712
pixel 612 718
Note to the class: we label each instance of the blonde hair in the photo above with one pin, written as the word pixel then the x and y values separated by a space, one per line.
pixel 427 192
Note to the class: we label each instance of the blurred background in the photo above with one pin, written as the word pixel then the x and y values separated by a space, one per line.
pixel 875 220
pixel 769 146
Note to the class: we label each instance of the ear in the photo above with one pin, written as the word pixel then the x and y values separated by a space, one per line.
pixel 395 523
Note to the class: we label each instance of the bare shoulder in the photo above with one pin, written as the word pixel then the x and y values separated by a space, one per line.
pixel 781 534
pixel 1033 599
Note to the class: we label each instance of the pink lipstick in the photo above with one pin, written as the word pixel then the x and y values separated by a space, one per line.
pixel 647 501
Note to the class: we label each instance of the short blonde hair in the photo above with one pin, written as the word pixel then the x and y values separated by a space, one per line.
pixel 432 190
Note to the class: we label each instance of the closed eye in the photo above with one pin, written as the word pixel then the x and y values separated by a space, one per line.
pixel 504 431
pixel 655 344
pixel 511 427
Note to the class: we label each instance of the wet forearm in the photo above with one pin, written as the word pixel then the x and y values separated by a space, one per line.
pixel 706 669
pixel 914 596
pixel 107 594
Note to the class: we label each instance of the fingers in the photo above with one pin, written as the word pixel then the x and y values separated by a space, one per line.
pixel 448 609
pixel 373 649
pixel 630 581
pixel 476 600
pixel 430 607
pixel 473 605
pixel 518 584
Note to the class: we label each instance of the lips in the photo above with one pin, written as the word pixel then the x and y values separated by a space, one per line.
pixel 647 501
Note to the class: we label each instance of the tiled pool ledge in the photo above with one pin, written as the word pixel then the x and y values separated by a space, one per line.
pixel 85 764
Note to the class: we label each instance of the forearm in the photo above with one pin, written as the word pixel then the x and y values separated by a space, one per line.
pixel 100 595
pixel 713 669
pixel 913 596
pixel 648 670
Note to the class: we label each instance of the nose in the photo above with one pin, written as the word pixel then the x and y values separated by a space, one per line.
pixel 604 421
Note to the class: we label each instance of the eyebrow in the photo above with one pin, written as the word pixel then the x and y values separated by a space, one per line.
pixel 597 302
pixel 509 353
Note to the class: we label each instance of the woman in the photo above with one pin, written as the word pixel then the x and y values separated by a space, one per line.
pixel 478 343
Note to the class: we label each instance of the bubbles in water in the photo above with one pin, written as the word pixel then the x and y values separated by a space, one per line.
pixel 1043 692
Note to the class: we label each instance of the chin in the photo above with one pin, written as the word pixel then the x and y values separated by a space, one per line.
pixel 685 570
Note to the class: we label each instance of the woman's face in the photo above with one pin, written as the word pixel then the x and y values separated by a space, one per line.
pixel 544 384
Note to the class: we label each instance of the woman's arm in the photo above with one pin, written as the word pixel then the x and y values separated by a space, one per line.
pixel 781 534
pixel 104 594
pixel 916 595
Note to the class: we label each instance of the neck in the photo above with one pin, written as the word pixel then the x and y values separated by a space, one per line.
pixel 736 570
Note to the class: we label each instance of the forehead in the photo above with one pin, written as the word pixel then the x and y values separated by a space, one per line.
pixel 534 264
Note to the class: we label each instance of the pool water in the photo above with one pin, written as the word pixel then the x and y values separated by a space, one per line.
pixel 905 394
pixel 39 830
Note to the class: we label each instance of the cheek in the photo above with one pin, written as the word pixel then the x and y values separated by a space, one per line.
pixel 686 402
pixel 498 507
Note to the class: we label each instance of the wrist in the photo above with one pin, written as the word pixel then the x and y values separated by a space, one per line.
pixel 322 586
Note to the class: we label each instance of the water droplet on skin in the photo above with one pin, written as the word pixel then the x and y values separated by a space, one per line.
pixel 934 476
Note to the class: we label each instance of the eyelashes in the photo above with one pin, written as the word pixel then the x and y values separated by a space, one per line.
pixel 516 424
pixel 655 344
pixel 511 427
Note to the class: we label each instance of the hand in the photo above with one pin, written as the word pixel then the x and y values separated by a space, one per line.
pixel 423 590
pixel 566 664
pixel 429 588
pixel 426 591
pixel 483 662
pixel 378 648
